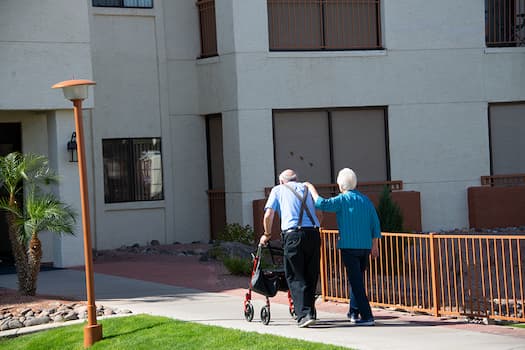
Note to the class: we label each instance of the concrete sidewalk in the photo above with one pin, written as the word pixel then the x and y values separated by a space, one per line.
pixel 391 330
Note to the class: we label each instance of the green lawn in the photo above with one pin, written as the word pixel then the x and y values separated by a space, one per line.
pixel 519 325
pixel 152 332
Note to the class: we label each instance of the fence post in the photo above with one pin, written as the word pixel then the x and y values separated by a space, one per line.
pixel 323 264
pixel 434 270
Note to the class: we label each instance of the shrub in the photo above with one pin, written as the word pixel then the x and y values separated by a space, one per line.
pixel 391 220
pixel 238 266
pixel 237 233
pixel 216 252
pixel 389 213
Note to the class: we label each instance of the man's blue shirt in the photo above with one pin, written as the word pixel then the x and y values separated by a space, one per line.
pixel 288 206
pixel 356 218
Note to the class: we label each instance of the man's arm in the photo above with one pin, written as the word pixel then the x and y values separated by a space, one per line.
pixel 267 225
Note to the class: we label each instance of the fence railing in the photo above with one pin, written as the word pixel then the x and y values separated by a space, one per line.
pixel 505 22
pixel 365 187
pixel 208 30
pixel 456 275
pixel 503 180
pixel 324 24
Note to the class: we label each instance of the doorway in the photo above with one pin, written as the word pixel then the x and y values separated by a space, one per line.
pixel 10 141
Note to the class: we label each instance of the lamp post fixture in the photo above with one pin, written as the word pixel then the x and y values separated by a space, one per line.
pixel 76 91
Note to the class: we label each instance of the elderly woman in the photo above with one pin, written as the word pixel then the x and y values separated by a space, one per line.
pixel 359 233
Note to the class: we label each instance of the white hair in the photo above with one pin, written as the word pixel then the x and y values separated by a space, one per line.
pixel 346 179
pixel 287 176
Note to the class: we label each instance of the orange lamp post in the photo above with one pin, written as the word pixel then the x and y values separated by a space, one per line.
pixel 76 91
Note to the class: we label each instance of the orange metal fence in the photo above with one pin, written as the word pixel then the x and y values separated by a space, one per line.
pixel 456 275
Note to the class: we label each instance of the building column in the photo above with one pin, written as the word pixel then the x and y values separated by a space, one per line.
pixel 248 161
pixel 67 249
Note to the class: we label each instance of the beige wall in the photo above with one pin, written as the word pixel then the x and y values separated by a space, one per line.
pixel 144 64
pixel 37 51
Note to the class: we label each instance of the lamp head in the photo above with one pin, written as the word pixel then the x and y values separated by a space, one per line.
pixel 76 89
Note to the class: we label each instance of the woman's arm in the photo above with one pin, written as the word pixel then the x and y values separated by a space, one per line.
pixel 331 204
pixel 312 190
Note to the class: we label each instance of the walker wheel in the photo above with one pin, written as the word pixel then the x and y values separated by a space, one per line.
pixel 265 314
pixel 248 312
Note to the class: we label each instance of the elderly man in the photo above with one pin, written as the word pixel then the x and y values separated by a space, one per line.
pixel 359 234
pixel 301 241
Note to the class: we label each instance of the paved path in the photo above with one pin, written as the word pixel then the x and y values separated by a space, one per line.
pixel 393 330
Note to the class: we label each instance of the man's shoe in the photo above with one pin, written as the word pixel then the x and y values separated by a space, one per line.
pixel 369 322
pixel 306 321
pixel 353 317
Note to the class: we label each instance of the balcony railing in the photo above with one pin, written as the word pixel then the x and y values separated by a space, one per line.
pixel 457 275
pixel 208 28
pixel 503 180
pixel 302 25
pixel 367 187
pixel 505 23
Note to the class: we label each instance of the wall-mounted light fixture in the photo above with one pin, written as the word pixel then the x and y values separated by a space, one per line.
pixel 72 147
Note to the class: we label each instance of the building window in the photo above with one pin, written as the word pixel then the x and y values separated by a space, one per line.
pixel 507 144
pixel 504 23
pixel 324 25
pixel 124 3
pixel 318 143
pixel 132 170
pixel 215 152
pixel 208 28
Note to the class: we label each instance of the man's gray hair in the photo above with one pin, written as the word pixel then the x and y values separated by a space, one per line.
pixel 347 179
pixel 288 175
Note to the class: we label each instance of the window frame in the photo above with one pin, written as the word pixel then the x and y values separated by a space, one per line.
pixel 207 28
pixel 490 125
pixel 133 171
pixel 122 5
pixel 504 23
pixel 329 112
pixel 324 20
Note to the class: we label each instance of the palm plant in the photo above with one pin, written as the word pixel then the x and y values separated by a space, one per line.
pixel 39 212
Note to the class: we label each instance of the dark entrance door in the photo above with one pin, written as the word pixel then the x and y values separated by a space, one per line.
pixel 10 141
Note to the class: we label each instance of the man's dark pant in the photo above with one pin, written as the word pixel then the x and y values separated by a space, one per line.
pixel 356 262
pixel 301 267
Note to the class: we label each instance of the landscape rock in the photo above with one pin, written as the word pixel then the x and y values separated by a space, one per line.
pixel 58 312
pixel 35 321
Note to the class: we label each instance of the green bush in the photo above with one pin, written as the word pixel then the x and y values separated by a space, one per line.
pixel 391 220
pixel 238 266
pixel 389 213
pixel 216 252
pixel 237 233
